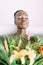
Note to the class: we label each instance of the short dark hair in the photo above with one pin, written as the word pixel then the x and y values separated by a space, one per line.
pixel 17 12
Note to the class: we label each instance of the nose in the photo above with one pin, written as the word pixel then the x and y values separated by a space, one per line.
pixel 23 19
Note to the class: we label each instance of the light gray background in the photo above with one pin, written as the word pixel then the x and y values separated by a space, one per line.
pixel 34 8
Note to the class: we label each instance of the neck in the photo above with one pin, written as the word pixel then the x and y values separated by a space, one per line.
pixel 21 32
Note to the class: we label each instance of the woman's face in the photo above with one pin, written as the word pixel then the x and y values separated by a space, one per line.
pixel 22 20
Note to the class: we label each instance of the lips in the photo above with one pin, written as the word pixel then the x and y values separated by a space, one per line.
pixel 24 23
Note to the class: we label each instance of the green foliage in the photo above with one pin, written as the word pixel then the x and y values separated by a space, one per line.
pixel 27 60
pixel 4 59
pixel 39 40
pixel 38 60
pixel 36 38
pixel 16 61
pixel 3 56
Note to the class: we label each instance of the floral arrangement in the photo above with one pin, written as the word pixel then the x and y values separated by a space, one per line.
pixel 31 54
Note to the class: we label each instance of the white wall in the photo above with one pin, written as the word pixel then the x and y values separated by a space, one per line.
pixel 33 7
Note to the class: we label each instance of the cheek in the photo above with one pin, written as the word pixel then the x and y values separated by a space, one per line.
pixel 18 23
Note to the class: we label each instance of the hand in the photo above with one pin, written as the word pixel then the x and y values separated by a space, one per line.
pixel 27 36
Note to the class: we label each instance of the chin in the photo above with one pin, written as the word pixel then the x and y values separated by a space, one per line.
pixel 24 27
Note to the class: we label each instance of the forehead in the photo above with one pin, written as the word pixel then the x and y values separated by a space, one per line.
pixel 21 13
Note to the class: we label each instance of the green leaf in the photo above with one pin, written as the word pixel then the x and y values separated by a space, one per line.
pixel 3 54
pixel 36 38
pixel 38 60
pixel 27 60
pixel 16 61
